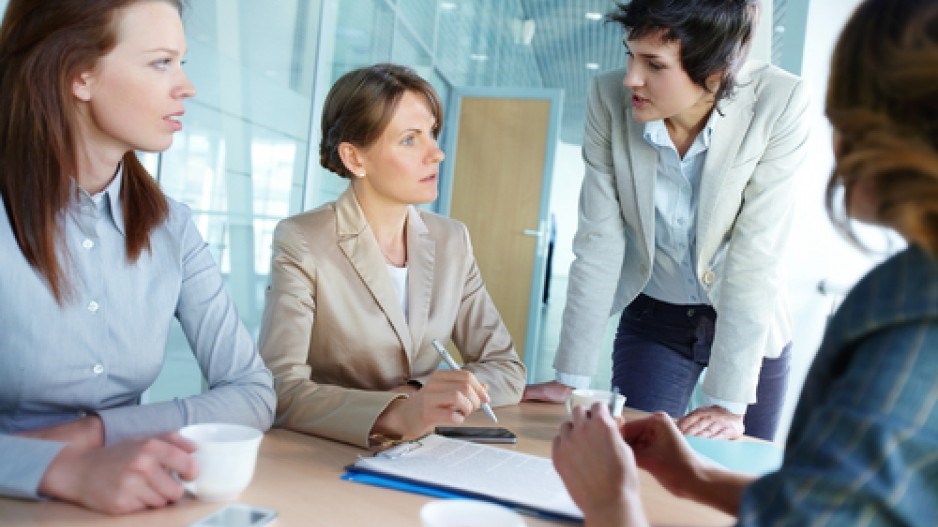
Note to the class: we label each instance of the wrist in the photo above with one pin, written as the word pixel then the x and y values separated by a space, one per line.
pixel 60 478
pixel 719 488
pixel 94 431
pixel 391 423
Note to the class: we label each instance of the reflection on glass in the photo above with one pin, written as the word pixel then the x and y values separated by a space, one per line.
pixel 240 161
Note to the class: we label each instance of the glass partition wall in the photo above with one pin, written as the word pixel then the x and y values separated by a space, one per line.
pixel 248 155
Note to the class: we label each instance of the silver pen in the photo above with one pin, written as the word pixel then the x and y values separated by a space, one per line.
pixel 448 359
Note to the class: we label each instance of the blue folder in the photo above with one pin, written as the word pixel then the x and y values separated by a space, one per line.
pixel 357 475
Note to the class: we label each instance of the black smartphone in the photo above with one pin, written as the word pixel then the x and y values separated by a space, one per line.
pixel 478 434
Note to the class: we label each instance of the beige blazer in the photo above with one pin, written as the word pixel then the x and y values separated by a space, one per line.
pixel 334 334
pixel 745 205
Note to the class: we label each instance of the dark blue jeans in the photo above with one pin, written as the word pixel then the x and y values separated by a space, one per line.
pixel 660 351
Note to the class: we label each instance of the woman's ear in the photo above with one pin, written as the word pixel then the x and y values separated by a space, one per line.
pixel 81 86
pixel 352 158
pixel 714 80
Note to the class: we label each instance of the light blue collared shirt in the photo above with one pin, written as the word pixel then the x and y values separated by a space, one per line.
pixel 677 183
pixel 673 278
pixel 100 349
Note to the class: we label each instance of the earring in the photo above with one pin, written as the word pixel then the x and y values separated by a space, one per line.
pixel 360 175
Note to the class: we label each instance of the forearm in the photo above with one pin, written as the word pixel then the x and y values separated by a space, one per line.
pixel 719 488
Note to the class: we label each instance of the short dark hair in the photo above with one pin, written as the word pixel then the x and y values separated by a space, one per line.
pixel 715 35
pixel 360 105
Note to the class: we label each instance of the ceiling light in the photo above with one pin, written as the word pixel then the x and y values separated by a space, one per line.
pixel 447 6
pixel 481 57
pixel 593 15
pixel 592 65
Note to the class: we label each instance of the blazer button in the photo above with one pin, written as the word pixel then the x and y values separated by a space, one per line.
pixel 708 278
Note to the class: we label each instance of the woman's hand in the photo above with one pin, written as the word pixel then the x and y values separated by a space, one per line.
pixel 712 421
pixel 121 478
pixel 446 398
pixel 660 449
pixel 87 432
pixel 598 468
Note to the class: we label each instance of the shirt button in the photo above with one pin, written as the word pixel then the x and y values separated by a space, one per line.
pixel 87 244
pixel 708 278
pixel 93 306
pixel 98 369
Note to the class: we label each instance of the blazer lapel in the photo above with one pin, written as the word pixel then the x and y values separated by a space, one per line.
pixel 728 133
pixel 421 259
pixel 643 162
pixel 360 247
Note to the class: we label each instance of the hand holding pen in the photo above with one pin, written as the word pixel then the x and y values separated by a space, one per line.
pixel 448 359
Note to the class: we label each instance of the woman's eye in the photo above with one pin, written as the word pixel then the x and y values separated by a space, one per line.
pixel 162 64
pixel 655 66
pixel 409 141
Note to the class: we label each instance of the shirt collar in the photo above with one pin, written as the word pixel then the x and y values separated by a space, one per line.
pixel 657 134
pixel 108 200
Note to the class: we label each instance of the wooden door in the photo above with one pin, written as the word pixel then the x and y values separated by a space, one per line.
pixel 501 146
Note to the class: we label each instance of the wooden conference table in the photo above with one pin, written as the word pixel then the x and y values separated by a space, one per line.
pixel 298 475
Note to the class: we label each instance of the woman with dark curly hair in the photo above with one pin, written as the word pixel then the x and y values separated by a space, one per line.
pixel 863 442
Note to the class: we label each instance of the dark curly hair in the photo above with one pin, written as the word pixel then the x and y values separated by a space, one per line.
pixel 715 35
pixel 360 105
pixel 882 100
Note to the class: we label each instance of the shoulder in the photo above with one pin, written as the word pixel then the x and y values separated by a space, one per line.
pixel 608 87
pixel 902 291
pixel 311 225
pixel 179 217
pixel 770 85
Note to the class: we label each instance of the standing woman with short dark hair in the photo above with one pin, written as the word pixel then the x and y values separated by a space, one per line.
pixel 863 445
pixel 97 262
pixel 360 287
pixel 684 217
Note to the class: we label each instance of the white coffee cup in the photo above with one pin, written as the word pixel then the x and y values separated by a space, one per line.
pixel 585 397
pixel 468 513
pixel 226 455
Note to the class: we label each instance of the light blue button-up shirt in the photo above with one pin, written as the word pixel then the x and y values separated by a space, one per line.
pixel 100 349
pixel 677 183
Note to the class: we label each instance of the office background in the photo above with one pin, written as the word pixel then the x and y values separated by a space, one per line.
pixel 248 155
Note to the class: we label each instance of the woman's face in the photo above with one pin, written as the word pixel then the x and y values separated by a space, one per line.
pixel 661 88
pixel 135 92
pixel 403 164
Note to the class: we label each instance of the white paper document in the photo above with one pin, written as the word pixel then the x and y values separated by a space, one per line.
pixel 499 474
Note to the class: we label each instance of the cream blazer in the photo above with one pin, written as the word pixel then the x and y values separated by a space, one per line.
pixel 333 332
pixel 746 202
